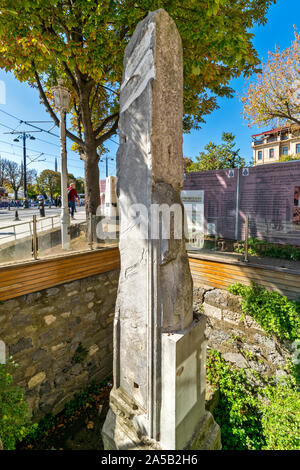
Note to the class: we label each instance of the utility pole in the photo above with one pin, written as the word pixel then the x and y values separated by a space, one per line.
pixel 24 136
pixel 24 168
pixel 106 164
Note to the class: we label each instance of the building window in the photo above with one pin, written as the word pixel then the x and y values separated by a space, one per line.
pixel 271 153
pixel 297 148
pixel 285 150
pixel 259 155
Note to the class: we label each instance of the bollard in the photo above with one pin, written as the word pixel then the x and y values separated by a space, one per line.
pixel 42 208
pixel 16 216
pixel 34 239
pixel 90 231
pixel 246 259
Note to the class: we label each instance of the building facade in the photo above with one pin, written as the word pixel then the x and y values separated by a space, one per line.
pixel 269 146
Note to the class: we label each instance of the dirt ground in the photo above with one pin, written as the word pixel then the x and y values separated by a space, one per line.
pixel 80 431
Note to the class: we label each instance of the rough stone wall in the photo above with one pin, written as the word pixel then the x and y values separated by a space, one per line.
pixel 241 342
pixel 43 330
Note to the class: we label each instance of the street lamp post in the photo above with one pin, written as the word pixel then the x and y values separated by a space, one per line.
pixel 62 100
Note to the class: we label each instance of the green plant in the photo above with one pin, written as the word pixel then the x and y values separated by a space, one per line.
pixel 273 312
pixel 237 412
pixel 280 417
pixel 15 422
pixel 258 247
pixel 250 416
pixel 79 355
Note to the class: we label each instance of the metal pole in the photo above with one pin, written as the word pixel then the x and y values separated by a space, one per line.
pixel 34 239
pixel 24 170
pixel 90 231
pixel 65 216
pixel 237 205
pixel 246 238
pixel 106 166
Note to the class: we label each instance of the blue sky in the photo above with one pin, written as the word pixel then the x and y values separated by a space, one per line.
pixel 23 102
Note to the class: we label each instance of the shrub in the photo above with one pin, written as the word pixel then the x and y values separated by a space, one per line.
pixel 253 417
pixel 15 421
pixel 280 417
pixel 258 247
pixel 273 312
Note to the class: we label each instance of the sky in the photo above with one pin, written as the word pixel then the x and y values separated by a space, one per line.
pixel 22 102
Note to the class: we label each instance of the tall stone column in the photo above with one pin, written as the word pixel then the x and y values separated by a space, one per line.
pixel 159 348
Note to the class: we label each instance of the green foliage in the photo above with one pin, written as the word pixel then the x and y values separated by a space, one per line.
pixel 79 355
pixel 280 417
pixel 259 247
pixel 237 413
pixel 15 421
pixel 49 182
pixel 254 417
pixel 218 157
pixel 44 425
pixel 273 312
pixel 288 158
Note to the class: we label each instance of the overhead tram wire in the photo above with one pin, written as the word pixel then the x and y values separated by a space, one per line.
pixel 43 130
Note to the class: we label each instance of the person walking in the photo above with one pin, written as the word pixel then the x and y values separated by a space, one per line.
pixel 72 196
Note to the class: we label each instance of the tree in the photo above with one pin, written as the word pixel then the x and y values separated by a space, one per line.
pixel 83 42
pixel 49 183
pixel 218 157
pixel 14 176
pixel 273 98
pixel 79 185
pixel 3 170
pixel 186 163
pixel 289 158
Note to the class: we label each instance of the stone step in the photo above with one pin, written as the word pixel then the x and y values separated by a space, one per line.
pixel 208 436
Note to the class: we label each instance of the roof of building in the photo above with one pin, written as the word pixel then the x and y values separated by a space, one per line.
pixel 272 131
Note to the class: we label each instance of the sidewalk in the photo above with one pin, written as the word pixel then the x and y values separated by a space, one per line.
pixel 11 230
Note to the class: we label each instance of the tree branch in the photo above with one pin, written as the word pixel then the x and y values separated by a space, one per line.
pixel 44 98
pixel 105 122
pixel 108 134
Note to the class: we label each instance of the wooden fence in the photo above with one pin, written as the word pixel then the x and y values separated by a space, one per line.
pixel 33 276
pixel 220 273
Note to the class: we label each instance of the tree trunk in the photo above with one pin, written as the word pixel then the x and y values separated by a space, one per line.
pixel 92 189
pixel 16 194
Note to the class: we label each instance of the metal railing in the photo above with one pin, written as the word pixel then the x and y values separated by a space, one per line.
pixel 30 224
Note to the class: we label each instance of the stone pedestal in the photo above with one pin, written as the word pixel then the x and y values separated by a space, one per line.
pixel 159 348
pixel 184 422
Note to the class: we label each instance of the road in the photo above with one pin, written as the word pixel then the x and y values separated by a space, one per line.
pixel 11 230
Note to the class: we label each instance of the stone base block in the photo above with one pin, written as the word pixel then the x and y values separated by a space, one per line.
pixel 184 423
pixel 119 434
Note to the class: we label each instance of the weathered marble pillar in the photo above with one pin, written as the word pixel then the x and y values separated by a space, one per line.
pixel 159 348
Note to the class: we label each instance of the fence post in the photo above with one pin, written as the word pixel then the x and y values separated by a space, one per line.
pixel 90 231
pixel 246 259
pixel 34 239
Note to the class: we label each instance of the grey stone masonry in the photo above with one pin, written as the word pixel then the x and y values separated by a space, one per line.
pixel 61 339
pixel 239 338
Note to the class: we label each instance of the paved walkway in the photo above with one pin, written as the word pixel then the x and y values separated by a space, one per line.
pixel 11 230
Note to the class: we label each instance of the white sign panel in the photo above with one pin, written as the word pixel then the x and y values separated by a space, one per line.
pixel 193 202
